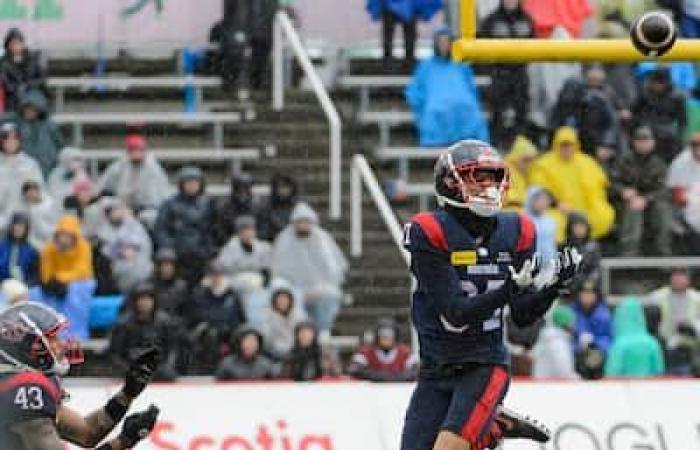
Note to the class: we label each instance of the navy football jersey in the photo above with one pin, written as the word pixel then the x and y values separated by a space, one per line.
pixel 470 268
pixel 25 396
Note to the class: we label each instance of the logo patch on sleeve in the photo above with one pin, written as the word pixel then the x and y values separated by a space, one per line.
pixel 463 258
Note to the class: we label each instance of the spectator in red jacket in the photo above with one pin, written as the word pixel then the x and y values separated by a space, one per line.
pixel 385 359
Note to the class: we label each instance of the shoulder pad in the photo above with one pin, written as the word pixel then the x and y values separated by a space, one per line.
pixel 432 229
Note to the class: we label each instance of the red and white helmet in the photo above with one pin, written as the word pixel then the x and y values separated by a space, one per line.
pixel 471 174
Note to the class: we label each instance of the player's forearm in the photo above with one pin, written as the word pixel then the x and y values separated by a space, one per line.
pixel 90 430
pixel 529 306
pixel 103 421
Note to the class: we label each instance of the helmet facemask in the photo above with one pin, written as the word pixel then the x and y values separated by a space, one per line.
pixel 482 186
pixel 55 350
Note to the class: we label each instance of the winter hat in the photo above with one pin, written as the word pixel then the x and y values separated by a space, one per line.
pixel 303 212
pixel 14 291
pixel 135 142
pixel 166 254
pixel 245 221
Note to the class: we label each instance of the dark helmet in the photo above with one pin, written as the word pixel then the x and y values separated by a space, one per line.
pixel 471 174
pixel 30 339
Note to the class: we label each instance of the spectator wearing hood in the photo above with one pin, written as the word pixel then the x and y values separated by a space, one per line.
pixel 678 303
pixel 537 208
pixel 664 110
pixel 143 325
pixel 406 13
pixel 245 258
pixel 634 351
pixel 19 259
pixel 67 277
pixel 42 211
pixel 585 107
pixel 41 138
pixel 593 331
pixel 20 70
pixel 247 362
pixel 215 312
pixel 184 224
pixel 66 258
pixel 239 203
pixel 86 206
pixel 305 362
pixel 127 245
pixel 282 319
pixel 445 99
pixel 137 179
pixel 15 168
pixel 170 291
pixel 308 256
pixel 385 359
pixel 575 180
pixel 275 213
pixel 553 354
pixel 519 160
pixel 684 182
pixel 72 168
pixel 639 179
pixel 578 235
pixel 510 90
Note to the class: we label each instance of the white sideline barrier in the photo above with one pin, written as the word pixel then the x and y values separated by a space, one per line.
pixel 605 415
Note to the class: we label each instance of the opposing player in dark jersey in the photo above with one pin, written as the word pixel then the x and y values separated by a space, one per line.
pixel 471 262
pixel 33 357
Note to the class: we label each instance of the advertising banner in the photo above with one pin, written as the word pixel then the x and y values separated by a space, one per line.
pixel 607 415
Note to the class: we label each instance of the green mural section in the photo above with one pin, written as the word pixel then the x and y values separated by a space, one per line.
pixel 48 10
pixel 12 10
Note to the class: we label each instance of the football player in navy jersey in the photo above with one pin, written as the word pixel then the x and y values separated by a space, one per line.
pixel 471 261
pixel 33 357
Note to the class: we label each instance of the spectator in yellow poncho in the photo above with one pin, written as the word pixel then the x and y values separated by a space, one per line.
pixel 522 154
pixel 575 180
pixel 519 160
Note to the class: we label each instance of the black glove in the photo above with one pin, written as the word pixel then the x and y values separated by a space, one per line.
pixel 141 371
pixel 568 263
pixel 138 426
pixel 56 288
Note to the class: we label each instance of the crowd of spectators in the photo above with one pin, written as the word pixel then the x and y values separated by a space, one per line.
pixel 239 286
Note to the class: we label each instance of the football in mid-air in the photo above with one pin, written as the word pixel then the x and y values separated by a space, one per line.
pixel 654 33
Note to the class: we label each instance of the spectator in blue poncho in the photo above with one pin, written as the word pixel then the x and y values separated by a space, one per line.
pixel 406 13
pixel 444 98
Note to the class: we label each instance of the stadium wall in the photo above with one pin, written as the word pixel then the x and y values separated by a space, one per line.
pixel 606 415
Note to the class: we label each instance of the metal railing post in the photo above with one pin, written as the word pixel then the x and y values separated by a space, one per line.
pixel 277 65
pixel 284 29
pixel 355 210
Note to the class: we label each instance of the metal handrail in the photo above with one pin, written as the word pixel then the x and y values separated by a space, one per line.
pixel 607 265
pixel 283 28
pixel 360 173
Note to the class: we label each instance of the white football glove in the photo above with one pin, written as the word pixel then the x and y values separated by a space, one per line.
pixel 525 277
pixel 567 264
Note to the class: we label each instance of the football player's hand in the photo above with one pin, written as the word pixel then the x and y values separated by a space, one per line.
pixel 567 265
pixel 524 277
pixel 138 426
pixel 141 371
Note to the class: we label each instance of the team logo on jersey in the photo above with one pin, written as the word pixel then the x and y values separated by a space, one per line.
pixel 504 257
pixel 463 258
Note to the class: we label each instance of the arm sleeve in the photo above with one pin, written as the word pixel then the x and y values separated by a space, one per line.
pixel 441 285
pixel 529 306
